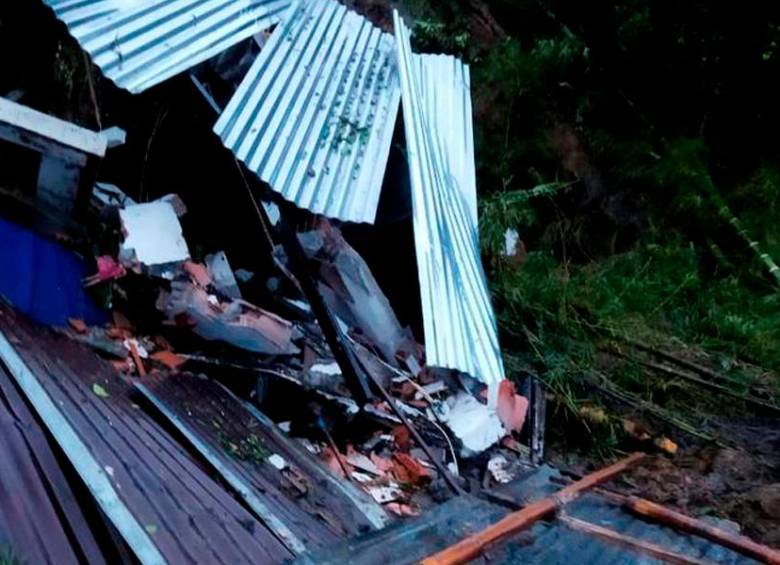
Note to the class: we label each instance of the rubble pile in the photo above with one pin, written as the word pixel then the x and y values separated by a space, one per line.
pixel 311 338
pixel 206 309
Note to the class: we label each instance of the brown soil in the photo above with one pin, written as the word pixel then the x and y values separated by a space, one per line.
pixel 728 483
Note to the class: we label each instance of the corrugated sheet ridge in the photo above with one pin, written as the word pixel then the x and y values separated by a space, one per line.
pixel 315 114
pixel 143 44
pixel 460 329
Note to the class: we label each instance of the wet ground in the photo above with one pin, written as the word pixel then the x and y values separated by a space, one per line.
pixel 735 478
pixel 737 484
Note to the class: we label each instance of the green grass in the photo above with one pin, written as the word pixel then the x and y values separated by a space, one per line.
pixel 554 315
pixel 250 448
pixel 8 557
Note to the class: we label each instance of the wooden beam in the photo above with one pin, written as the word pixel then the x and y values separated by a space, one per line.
pixel 634 544
pixel 668 517
pixel 470 547
pixel 45 126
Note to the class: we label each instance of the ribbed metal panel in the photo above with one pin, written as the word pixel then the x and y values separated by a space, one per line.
pixel 460 327
pixel 314 116
pixel 138 44
pixel 78 12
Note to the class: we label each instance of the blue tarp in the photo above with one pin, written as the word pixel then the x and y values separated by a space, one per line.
pixel 43 279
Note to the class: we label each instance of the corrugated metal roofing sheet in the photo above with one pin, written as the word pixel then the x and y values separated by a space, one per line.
pixel 460 327
pixel 76 12
pixel 314 116
pixel 138 44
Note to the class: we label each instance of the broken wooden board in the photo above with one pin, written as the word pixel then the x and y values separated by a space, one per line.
pixel 159 499
pixel 274 479
pixel 41 520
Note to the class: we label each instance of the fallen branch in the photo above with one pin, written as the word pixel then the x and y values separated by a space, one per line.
pixel 471 547
pixel 666 356
pixel 603 384
pixel 701 382
pixel 635 544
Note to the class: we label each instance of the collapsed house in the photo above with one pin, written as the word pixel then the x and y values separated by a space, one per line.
pixel 137 431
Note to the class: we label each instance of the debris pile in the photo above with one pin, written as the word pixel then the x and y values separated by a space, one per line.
pixel 299 385
pixel 202 308
pixel 402 416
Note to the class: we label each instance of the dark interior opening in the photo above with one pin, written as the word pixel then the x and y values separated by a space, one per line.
pixel 21 179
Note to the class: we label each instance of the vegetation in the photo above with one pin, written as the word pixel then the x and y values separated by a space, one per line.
pixel 250 448
pixel 631 145
pixel 7 557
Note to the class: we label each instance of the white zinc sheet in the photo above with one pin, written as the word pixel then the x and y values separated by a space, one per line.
pixel 314 116
pixel 460 327
pixel 140 43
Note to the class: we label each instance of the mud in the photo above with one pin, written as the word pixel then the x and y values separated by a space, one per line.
pixel 725 483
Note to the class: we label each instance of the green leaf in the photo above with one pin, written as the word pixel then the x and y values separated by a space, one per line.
pixel 99 391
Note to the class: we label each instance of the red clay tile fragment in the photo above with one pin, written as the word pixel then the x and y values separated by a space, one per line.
pixel 411 470
pixel 169 359
pixel 199 273
pixel 513 445
pixel 401 509
pixel 511 408
pixel 78 325
pixel 335 462
pixel 401 437
pixel 382 463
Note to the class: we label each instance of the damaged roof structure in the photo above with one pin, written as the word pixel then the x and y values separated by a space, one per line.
pixel 226 416
pixel 315 114
pixel 460 327
pixel 314 118
pixel 139 44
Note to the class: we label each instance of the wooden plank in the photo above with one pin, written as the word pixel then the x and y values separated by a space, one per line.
pixel 82 533
pixel 242 489
pixel 49 127
pixel 188 515
pixel 236 437
pixel 668 517
pixel 79 454
pixel 634 544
